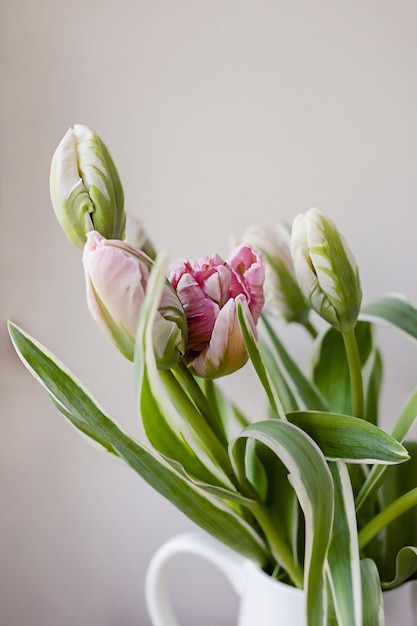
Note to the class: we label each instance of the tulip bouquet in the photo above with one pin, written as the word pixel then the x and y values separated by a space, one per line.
pixel 314 491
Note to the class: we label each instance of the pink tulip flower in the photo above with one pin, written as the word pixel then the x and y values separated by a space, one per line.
pixel 209 292
pixel 116 279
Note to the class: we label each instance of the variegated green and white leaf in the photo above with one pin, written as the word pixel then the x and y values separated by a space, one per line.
pixel 311 479
pixel 256 358
pixel 278 379
pixel 405 567
pixel 343 558
pixel 351 439
pixel 74 401
pixel 306 391
pixel 373 608
pixel 395 310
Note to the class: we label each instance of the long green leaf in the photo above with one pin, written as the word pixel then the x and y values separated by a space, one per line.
pixel 78 406
pixel 343 558
pixel 351 439
pixel 373 386
pixel 278 380
pixel 280 499
pixel 307 391
pixel 395 310
pixel 312 482
pixel 373 608
pixel 258 364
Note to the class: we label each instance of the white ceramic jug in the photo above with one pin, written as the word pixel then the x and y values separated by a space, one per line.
pixel 262 600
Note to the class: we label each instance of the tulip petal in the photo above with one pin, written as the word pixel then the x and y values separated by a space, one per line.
pixel 116 280
pixel 201 312
pixel 226 351
pixel 216 285
pixel 250 269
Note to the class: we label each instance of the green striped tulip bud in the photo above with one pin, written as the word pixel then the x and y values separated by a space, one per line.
pixel 85 187
pixel 283 295
pixel 326 270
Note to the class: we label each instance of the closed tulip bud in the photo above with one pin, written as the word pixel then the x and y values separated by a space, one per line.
pixel 326 270
pixel 282 292
pixel 85 187
pixel 210 292
pixel 116 279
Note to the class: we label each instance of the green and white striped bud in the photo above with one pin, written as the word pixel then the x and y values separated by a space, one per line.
pixel 85 187
pixel 326 270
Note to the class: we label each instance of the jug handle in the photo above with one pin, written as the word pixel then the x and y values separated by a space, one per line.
pixel 158 601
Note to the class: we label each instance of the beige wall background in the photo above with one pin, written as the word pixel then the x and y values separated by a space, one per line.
pixel 218 114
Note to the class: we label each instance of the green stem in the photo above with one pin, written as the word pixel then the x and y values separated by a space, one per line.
pixel 211 444
pixel 279 547
pixel 208 408
pixel 355 372
pixel 385 517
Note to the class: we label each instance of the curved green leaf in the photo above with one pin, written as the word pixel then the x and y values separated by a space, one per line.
pixel 258 364
pixel 373 607
pixel 278 380
pixel 395 310
pixel 343 557
pixel 373 386
pixel 72 399
pixel 312 482
pixel 307 391
pixel 405 567
pixel 351 439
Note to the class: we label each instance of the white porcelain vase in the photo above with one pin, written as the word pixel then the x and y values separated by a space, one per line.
pixel 263 601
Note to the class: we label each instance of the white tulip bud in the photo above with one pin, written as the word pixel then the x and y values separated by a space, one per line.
pixel 85 187
pixel 326 270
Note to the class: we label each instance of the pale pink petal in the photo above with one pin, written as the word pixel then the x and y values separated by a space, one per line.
pixel 249 264
pixel 226 351
pixel 177 269
pixel 117 278
pixel 241 258
pixel 216 285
